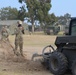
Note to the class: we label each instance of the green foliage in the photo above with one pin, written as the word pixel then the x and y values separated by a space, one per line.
pixel 22 13
pixel 20 1
pixel 37 10
pixel 53 18
pixel 8 13
pixel 64 20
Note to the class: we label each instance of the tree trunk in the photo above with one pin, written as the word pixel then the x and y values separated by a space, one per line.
pixel 32 25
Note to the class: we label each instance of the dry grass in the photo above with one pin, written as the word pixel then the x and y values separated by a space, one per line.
pixel 36 40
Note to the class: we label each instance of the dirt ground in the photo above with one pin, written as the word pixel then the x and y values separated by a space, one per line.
pixel 11 64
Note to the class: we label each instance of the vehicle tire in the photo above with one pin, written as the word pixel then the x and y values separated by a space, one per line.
pixel 74 68
pixel 58 63
pixel 45 63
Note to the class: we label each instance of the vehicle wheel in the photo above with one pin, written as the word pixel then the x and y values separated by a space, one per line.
pixel 47 51
pixel 74 68
pixel 58 63
pixel 45 63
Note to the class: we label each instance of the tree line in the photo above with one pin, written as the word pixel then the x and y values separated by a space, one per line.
pixel 33 10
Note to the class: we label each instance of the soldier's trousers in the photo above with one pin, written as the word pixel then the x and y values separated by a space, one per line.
pixel 20 45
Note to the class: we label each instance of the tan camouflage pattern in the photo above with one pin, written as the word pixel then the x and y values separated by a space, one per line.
pixel 18 40
pixel 4 34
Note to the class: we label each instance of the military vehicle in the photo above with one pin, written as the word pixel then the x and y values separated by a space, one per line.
pixel 52 30
pixel 63 58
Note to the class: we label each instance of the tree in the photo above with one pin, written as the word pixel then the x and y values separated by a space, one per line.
pixel 37 10
pixel 22 13
pixel 43 15
pixel 51 19
pixel 63 20
pixel 8 13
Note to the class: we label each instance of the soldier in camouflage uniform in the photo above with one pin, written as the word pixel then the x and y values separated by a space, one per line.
pixel 4 34
pixel 18 40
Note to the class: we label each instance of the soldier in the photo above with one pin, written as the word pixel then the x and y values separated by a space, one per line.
pixel 4 34
pixel 20 25
pixel 18 39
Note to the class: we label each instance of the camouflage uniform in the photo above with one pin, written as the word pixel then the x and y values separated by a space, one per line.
pixel 18 40
pixel 4 34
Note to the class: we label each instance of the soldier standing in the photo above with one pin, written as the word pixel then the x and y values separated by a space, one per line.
pixel 20 25
pixel 18 38
pixel 4 34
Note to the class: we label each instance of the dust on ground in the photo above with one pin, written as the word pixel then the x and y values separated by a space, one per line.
pixel 18 65
pixel 10 64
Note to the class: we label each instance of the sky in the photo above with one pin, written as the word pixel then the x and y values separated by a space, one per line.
pixel 59 7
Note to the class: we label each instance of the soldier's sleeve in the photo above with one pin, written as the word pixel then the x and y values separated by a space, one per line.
pixel 16 31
